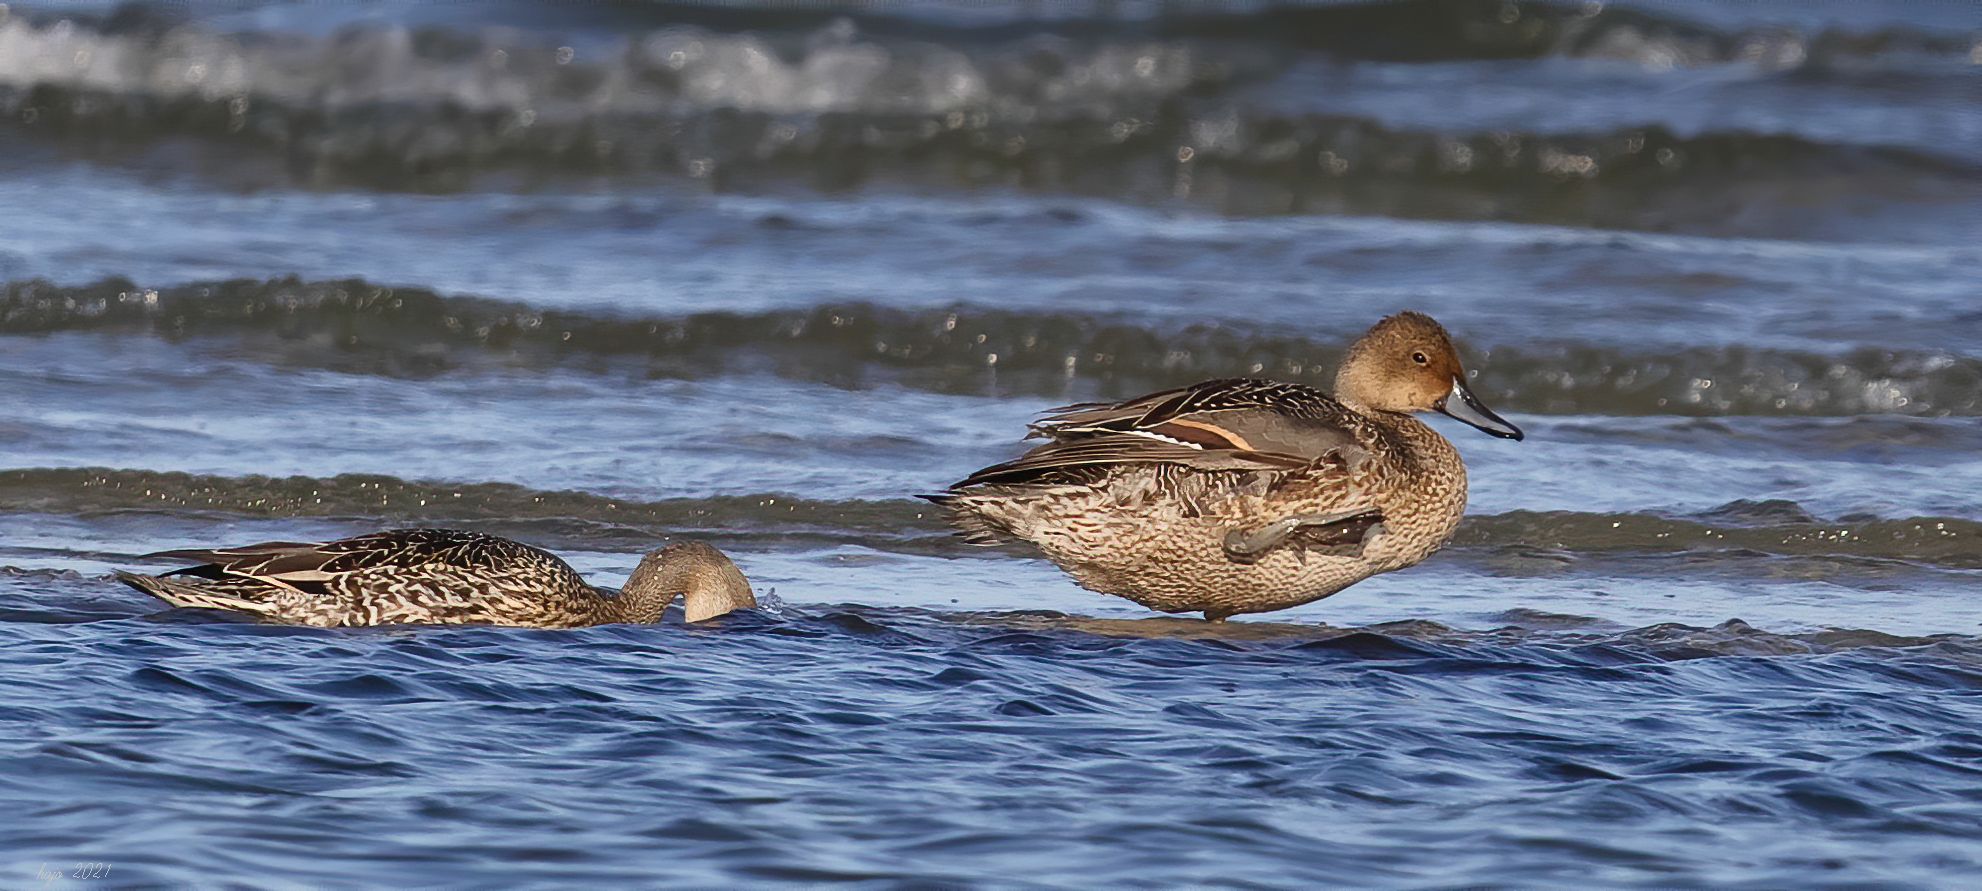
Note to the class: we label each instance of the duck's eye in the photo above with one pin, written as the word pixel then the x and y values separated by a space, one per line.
pixel 1420 359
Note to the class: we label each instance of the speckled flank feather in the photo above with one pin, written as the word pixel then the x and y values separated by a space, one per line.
pixel 433 576
pixel 1143 498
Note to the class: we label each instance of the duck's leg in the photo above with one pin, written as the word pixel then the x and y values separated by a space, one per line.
pixel 1349 525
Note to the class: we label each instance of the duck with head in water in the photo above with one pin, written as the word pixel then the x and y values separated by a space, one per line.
pixel 1240 495
pixel 441 576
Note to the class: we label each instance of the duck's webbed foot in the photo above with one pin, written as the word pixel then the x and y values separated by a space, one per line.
pixel 1313 530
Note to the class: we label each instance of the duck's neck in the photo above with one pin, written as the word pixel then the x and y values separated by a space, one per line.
pixel 709 584
pixel 645 596
pixel 1430 451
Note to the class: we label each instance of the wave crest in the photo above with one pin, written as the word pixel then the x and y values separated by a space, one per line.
pixel 1160 113
pixel 357 326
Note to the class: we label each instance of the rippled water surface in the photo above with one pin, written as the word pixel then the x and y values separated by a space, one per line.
pixel 595 276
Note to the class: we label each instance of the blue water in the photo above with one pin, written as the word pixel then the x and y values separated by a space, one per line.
pixel 594 277
pixel 901 746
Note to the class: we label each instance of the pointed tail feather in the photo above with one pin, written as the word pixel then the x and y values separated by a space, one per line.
pixel 182 594
pixel 226 555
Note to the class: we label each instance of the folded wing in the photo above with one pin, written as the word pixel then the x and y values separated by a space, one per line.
pixel 307 565
pixel 1233 424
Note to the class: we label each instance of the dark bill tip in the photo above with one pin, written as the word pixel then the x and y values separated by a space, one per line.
pixel 1461 405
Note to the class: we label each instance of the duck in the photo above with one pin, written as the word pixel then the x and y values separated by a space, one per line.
pixel 443 577
pixel 1243 495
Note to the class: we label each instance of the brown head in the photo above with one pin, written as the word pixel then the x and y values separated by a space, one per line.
pixel 1407 363
pixel 708 583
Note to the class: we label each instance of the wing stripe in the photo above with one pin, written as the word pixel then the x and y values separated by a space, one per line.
pixel 1209 435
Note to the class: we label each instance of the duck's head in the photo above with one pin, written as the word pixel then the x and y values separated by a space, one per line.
pixel 1407 363
pixel 708 583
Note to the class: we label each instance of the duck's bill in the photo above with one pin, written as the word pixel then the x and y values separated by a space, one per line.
pixel 1462 405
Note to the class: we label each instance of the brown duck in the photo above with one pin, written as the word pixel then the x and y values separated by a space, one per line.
pixel 440 576
pixel 1244 496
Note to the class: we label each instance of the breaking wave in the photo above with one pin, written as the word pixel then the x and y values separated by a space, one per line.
pixel 360 327
pixel 1152 109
